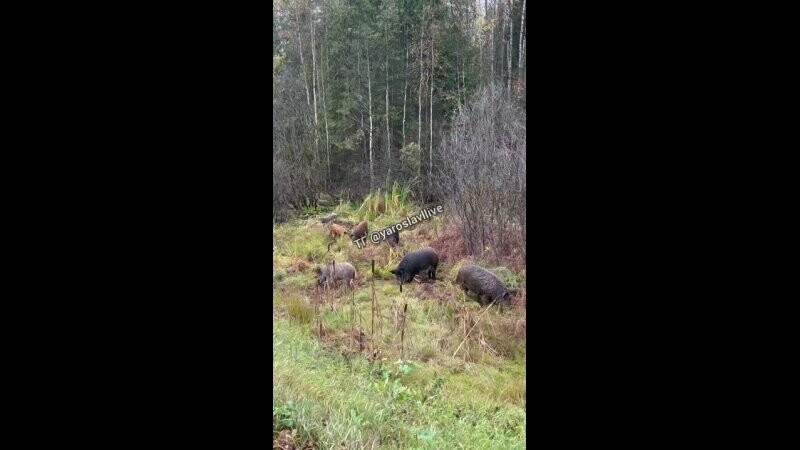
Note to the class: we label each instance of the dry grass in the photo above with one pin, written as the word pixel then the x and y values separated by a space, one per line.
pixel 298 265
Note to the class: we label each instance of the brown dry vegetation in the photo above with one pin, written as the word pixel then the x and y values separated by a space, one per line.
pixel 450 244
pixel 298 265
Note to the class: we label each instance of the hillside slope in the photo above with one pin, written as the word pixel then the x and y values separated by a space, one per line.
pixel 348 386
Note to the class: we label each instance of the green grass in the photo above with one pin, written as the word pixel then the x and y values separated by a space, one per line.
pixel 333 401
pixel 300 311
pixel 327 391
pixel 391 202
pixel 509 278
pixel 311 247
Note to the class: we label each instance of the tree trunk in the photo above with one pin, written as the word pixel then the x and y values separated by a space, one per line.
pixel 314 75
pixel 405 91
pixel 501 41
pixel 491 45
pixel 521 29
pixel 480 56
pixel 361 102
pixel 314 70
pixel 430 120
pixel 510 45
pixel 419 103
pixel 388 133
pixel 303 65
pixel 464 80
pixel 458 79
pixel 305 76
pixel 369 90
pixel 366 150
pixel 325 110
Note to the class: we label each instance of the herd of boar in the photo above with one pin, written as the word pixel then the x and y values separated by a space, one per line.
pixel 475 280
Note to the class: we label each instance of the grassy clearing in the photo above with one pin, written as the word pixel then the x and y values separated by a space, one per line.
pixel 329 390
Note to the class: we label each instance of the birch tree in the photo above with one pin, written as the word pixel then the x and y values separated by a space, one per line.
pixel 521 37
pixel 388 131
pixel 510 44
pixel 369 90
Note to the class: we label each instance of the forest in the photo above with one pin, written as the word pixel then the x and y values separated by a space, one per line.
pixel 368 93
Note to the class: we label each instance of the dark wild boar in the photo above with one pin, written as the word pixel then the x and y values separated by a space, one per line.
pixel 394 238
pixel 344 272
pixel 414 263
pixel 484 284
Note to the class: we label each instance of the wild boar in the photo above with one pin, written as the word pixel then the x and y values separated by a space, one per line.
pixel 329 217
pixel 414 263
pixel 484 284
pixel 359 231
pixel 337 230
pixel 344 272
pixel 394 238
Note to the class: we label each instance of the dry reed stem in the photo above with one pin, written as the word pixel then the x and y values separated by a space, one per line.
pixel 403 330
pixel 473 327
pixel 486 345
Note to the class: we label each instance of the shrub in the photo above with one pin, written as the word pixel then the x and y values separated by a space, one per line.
pixel 483 179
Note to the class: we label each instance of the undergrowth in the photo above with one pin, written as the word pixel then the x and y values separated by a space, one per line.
pixel 392 379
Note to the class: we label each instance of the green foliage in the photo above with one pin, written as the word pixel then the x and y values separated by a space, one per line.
pixel 284 416
pixel 353 141
pixel 382 373
pixel 371 207
pixel 435 388
pixel 410 157
pixel 277 64
pixel 509 278
pixel 404 367
pixel 392 204
pixel 397 199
